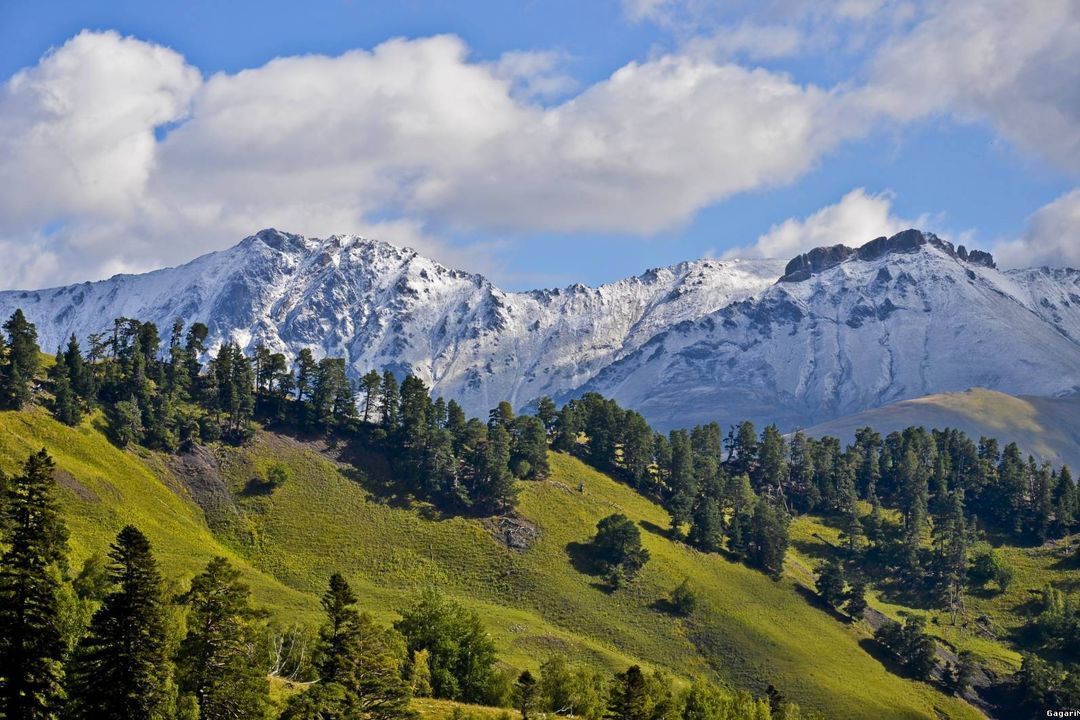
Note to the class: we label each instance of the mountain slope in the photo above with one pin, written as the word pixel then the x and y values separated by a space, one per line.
pixel 1048 428
pixel 388 307
pixel 534 602
pixel 858 334
pixel 843 330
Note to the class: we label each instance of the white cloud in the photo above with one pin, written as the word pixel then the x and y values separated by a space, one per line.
pixel 1052 237
pixel 412 129
pixel 535 75
pixel 858 218
pixel 77 129
pixel 1011 64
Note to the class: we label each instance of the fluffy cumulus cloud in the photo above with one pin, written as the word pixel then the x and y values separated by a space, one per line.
pixel 77 130
pixel 118 155
pixel 1013 65
pixel 858 218
pixel 121 156
pixel 1052 237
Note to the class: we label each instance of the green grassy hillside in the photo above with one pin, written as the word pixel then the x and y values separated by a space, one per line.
pixel 1048 428
pixel 748 629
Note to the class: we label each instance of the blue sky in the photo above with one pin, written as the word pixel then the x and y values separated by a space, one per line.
pixel 541 142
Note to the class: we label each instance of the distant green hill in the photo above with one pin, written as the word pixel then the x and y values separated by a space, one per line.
pixel 1048 428
pixel 328 516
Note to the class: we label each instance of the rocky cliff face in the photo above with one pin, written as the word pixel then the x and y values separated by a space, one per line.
pixel 847 328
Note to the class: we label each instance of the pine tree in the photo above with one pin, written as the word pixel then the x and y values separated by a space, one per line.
pixel 528 448
pixel 1066 506
pixel 359 665
pixel 707 530
pixel 79 374
pixel 494 489
pixel 629 698
pixel 856 598
pixel 370 386
pixel 525 692
pixel 31 640
pixel 772 469
pixel 22 360
pixel 218 661
pixel 830 583
pixel 548 414
pixel 388 404
pixel 768 538
pixel 65 406
pixel 121 669
pixel 682 484
pixel 913 490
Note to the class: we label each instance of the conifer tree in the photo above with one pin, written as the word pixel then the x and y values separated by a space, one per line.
pixel 218 662
pixel 31 639
pixel 388 404
pixel 21 364
pixel 1066 506
pixel 494 489
pixel 768 538
pixel 830 583
pixel 370 386
pixel 707 530
pixel 913 491
pixel 65 405
pixel 79 374
pixel 528 447
pixel 525 692
pixel 359 665
pixel 121 669
pixel 629 699
pixel 548 414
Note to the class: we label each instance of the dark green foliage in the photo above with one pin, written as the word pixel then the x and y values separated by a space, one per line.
pixel 18 360
pixel 525 694
pixel 629 698
pixel 121 669
pixel 218 662
pixel 856 598
pixel 768 538
pixel 1058 623
pixel 831 583
pixel 684 599
pixel 988 567
pixel 617 547
pixel 1044 684
pixel 528 447
pixel 572 690
pixel 31 639
pixel 65 407
pixel 359 666
pixel 125 422
pixel 911 645
pixel 461 655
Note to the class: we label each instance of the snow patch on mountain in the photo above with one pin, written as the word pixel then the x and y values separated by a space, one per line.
pixel 844 330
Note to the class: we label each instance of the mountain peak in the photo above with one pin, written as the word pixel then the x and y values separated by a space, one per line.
pixel 822 258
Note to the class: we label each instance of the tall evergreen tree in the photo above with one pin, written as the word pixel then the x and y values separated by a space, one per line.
pixel 121 669
pixel 388 404
pixel 1066 506
pixel 65 405
pixel 359 665
pixel 31 638
pixel 218 660
pixel 768 538
pixel 629 699
pixel 370 386
pixel 21 364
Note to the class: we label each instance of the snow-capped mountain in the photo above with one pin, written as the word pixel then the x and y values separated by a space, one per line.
pixel 834 331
